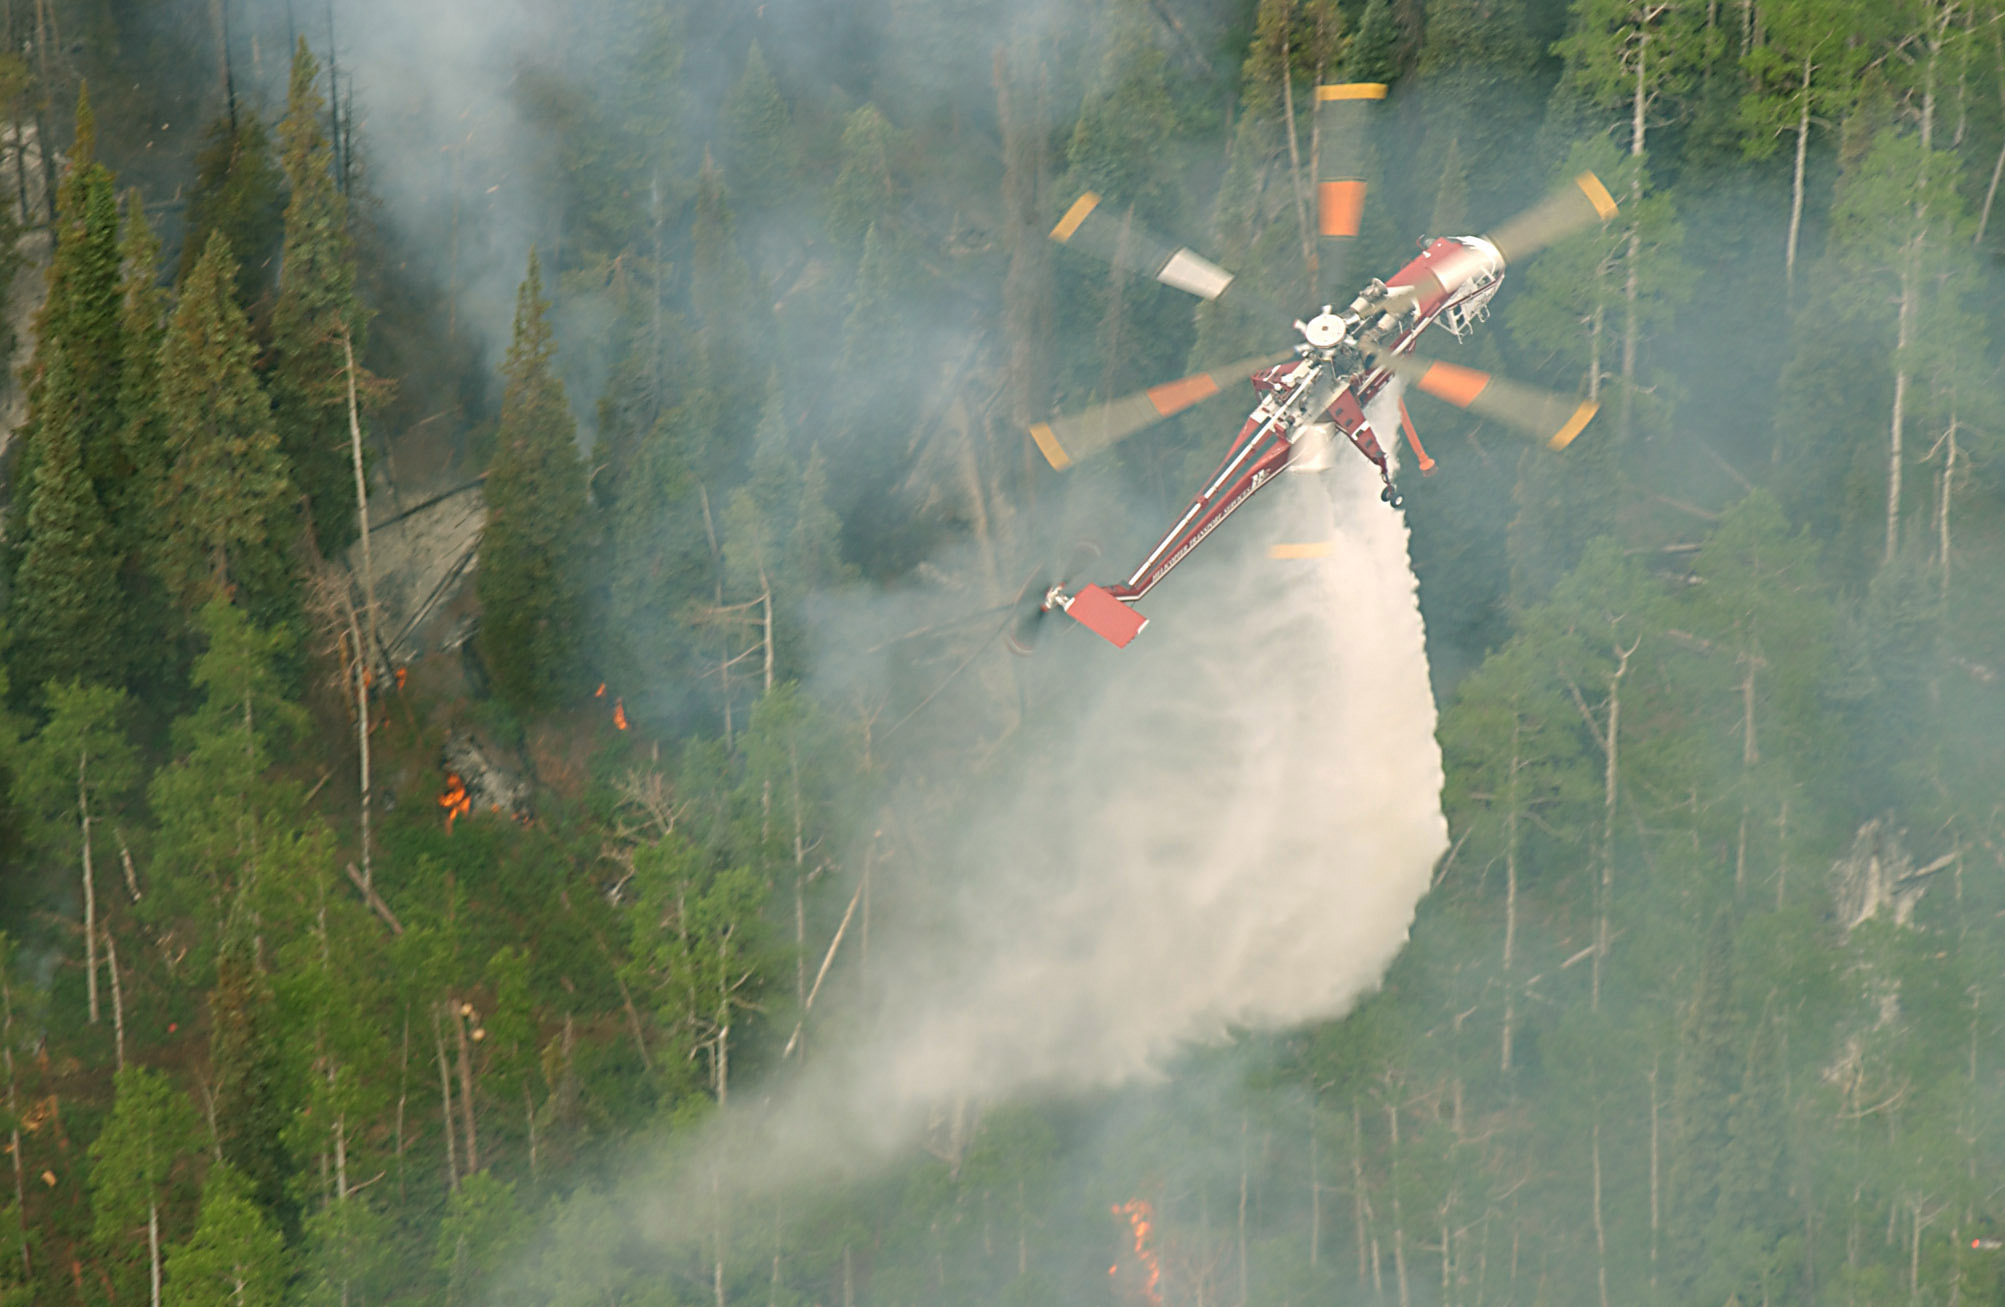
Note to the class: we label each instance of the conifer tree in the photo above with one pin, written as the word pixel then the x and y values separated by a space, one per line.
pixel 528 581
pixel 866 188
pixel 239 193
pixel 227 488
pixel 759 148
pixel 144 318
pixel 316 304
pixel 252 1108
pixel 64 606
pixel 67 618
pixel 1374 51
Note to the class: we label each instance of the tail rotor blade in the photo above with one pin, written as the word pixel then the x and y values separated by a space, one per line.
pixel 1550 417
pixel 1574 207
pixel 1064 441
pixel 1343 115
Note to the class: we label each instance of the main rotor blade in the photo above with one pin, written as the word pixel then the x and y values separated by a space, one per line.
pixel 1132 248
pixel 1343 115
pixel 1064 441
pixel 1553 418
pixel 1571 208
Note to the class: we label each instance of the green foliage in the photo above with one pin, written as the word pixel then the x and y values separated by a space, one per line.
pixel 235 1258
pixel 531 632
pixel 239 195
pixel 758 146
pixel 315 315
pixel 152 1127
pixel 224 503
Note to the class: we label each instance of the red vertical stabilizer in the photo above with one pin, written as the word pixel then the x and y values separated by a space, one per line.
pixel 1107 617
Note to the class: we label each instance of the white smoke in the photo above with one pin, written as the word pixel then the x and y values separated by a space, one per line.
pixel 1231 827
pixel 1236 830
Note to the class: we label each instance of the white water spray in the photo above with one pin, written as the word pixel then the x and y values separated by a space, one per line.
pixel 1243 815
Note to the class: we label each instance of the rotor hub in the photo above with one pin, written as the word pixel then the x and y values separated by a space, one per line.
pixel 1324 331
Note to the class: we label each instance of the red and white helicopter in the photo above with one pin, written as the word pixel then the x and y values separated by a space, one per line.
pixel 1345 358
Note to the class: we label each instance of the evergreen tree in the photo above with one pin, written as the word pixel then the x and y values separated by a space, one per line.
pixel 316 309
pixel 65 613
pixel 68 619
pixel 1374 51
pixel 866 189
pixel 252 1102
pixel 531 551
pixel 224 502
pixel 235 1258
pixel 240 195
pixel 152 1127
pixel 758 147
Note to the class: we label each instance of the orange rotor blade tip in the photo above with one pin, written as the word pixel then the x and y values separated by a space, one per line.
pixel 1047 444
pixel 1581 417
pixel 1352 91
pixel 1074 216
pixel 1597 195
pixel 1339 207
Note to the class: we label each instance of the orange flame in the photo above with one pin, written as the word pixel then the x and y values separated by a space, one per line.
pixel 600 693
pixel 456 801
pixel 1142 1220
pixel 402 672
pixel 620 713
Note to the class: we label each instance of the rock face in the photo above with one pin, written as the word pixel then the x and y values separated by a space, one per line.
pixel 1876 876
pixel 423 558
pixel 491 784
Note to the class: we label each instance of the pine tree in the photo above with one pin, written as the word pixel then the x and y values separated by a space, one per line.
pixel 152 1127
pixel 67 616
pixel 236 1256
pixel 759 148
pixel 251 1103
pixel 223 503
pixel 239 194
pixel 866 189
pixel 1374 52
pixel 528 581
pixel 64 609
pixel 316 305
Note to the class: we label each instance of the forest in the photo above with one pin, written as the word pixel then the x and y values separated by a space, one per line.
pixel 736 319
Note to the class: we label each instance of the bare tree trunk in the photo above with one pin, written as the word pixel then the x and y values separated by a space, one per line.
pixel 1600 1232
pixel 1632 284
pixel 1610 747
pixel 117 1000
pixel 1243 1277
pixel 448 1126
pixel 14 1114
pixel 368 657
pixel 403 1094
pixel 1398 1224
pixel 1358 1188
pixel 459 1016
pixel 1295 186
pixel 90 888
pixel 1315 1186
pixel 1654 1173
pixel 1796 178
pixel 153 1251
pixel 1510 890
pixel 1942 513
pixel 1904 337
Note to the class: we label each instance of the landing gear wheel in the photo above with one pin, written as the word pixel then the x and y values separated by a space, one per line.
pixel 1391 496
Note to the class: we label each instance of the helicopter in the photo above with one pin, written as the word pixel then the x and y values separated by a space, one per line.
pixel 1345 358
